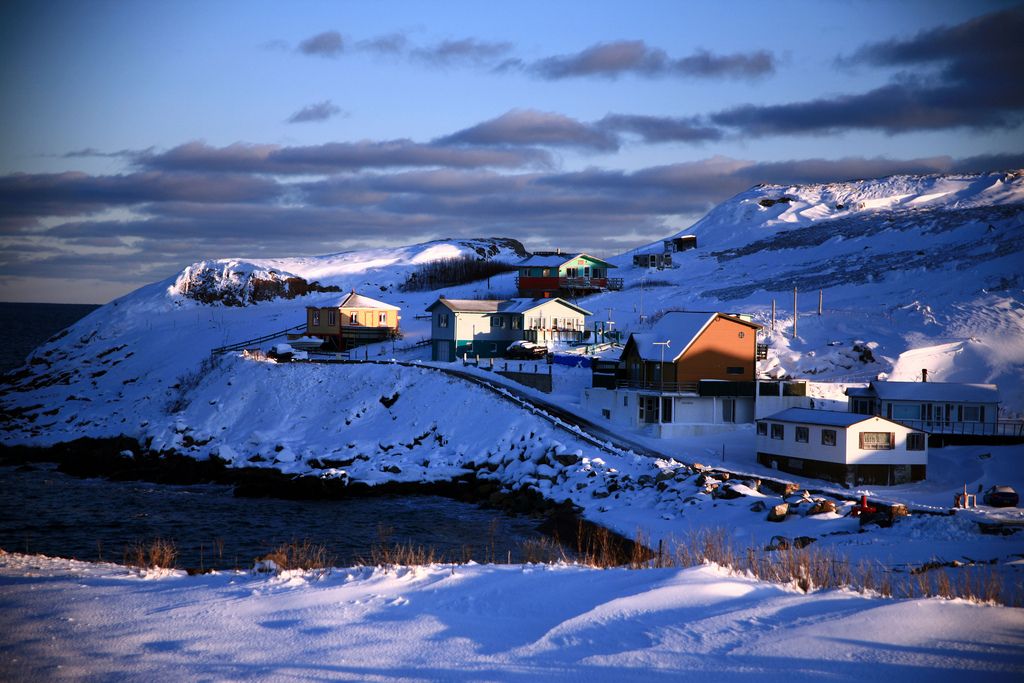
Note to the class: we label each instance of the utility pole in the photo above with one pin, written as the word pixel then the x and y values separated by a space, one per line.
pixel 796 313
pixel 821 300
pixel 661 369
pixel 773 316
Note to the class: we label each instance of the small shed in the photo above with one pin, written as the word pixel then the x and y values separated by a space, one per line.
pixel 842 447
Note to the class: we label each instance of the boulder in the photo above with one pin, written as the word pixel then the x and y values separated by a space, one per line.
pixel 758 506
pixel 822 506
pixel 778 513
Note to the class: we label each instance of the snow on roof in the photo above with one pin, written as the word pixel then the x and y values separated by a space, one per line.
pixel 827 418
pixel 935 391
pixel 680 328
pixel 520 305
pixel 353 300
pixel 554 260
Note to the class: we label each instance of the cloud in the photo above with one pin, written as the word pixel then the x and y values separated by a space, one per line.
pixel 326 44
pixel 336 157
pixel 63 194
pixel 655 129
pixel 321 111
pixel 466 51
pixel 169 217
pixel 614 59
pixel 959 76
pixel 529 127
pixel 388 44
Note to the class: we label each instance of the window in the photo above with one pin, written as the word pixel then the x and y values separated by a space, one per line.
pixel 442 320
pixel 778 432
pixel 728 410
pixel 666 409
pixel 498 321
pixel 915 441
pixel 516 322
pixel 828 437
pixel 316 318
pixel 906 412
pixel 972 414
pixel 332 318
pixel 876 441
pixel 625 400
pixel 762 429
pixel 353 318
pixel 802 435
pixel 382 318
pixel 734 370
pixel 554 323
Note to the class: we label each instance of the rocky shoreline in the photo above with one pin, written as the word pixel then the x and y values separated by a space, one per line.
pixel 125 459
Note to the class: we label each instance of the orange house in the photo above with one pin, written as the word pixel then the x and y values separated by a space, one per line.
pixel 354 321
pixel 685 347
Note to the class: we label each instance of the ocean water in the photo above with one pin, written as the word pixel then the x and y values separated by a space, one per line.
pixel 47 512
pixel 23 327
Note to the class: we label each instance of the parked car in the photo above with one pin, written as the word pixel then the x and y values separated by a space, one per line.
pixel 1001 497
pixel 525 350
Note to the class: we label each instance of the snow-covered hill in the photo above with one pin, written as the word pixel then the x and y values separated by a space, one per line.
pixel 916 272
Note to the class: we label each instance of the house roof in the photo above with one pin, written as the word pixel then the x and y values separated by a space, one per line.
pixel 557 260
pixel 825 418
pixel 521 305
pixel 353 300
pixel 681 329
pixel 949 392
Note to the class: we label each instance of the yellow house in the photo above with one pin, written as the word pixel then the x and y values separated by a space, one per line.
pixel 354 321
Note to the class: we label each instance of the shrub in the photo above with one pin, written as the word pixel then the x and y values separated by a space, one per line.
pixel 158 553
pixel 452 271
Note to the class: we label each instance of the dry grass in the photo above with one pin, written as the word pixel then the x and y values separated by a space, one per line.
pixel 159 553
pixel 300 555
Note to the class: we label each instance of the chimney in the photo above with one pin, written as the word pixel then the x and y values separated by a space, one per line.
pixel 924 374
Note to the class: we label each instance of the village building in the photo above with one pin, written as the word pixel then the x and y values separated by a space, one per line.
pixel 693 373
pixel 663 259
pixel 355 320
pixel 554 274
pixel 485 328
pixel 848 448
pixel 932 406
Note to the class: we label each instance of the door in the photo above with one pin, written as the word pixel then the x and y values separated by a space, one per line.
pixel 443 351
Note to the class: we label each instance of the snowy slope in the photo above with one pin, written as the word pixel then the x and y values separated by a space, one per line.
pixel 920 271
pixel 67 620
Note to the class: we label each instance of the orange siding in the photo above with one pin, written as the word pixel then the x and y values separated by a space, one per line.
pixel 716 349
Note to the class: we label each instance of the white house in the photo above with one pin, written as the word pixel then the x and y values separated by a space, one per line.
pixel 692 373
pixel 841 446
pixel 486 327
pixel 936 407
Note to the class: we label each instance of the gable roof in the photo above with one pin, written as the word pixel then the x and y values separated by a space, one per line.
pixel 824 418
pixel 521 305
pixel 681 329
pixel 558 260
pixel 353 300
pixel 951 392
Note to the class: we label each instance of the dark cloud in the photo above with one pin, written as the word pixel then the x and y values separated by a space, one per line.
pixel 595 209
pixel 465 51
pixel 92 152
pixel 64 194
pixel 335 157
pixel 389 44
pixel 961 76
pixel 614 59
pixel 321 111
pixel 326 44
pixel 529 127
pixel 655 129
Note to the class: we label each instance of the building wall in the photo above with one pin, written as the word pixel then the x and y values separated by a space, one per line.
pixel 369 317
pixel 622 407
pixel 717 348
pixel 847 449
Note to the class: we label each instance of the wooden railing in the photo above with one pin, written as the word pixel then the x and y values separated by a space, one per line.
pixel 238 346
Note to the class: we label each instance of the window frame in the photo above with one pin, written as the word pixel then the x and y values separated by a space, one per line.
pixel 762 428
pixel 916 441
pixel 802 431
pixel 316 319
pixel 779 429
pixel 825 437
pixel 866 445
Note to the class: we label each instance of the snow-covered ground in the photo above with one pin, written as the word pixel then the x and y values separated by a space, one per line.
pixel 66 620
pixel 922 271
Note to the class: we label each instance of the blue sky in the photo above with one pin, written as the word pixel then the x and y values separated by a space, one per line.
pixel 139 137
